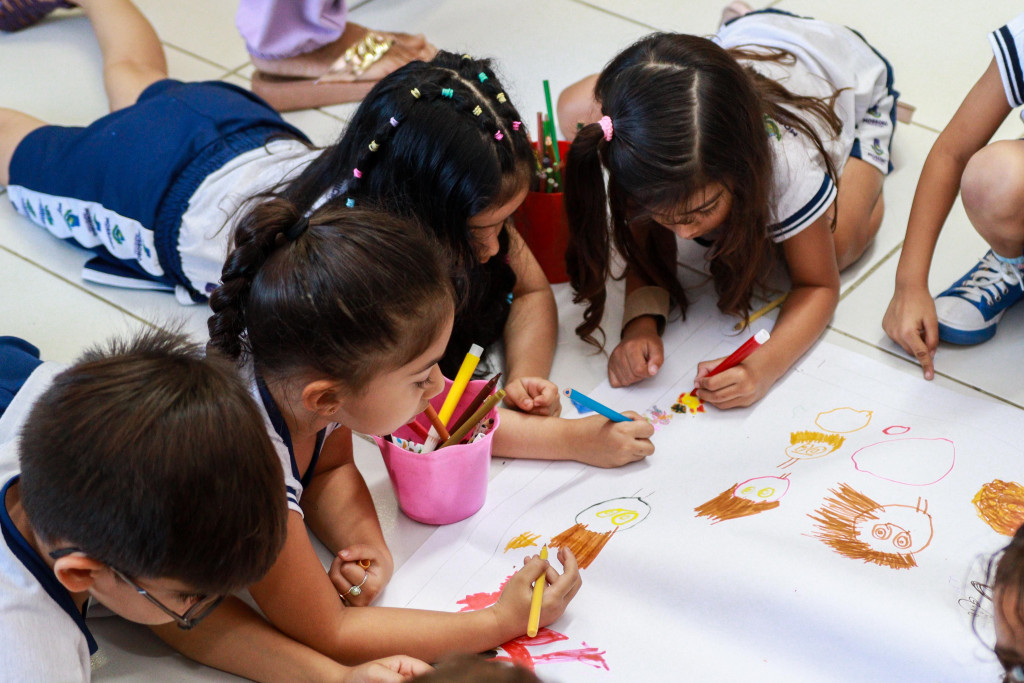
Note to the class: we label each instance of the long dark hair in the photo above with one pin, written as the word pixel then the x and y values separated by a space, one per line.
pixel 346 292
pixel 685 113
pixel 440 142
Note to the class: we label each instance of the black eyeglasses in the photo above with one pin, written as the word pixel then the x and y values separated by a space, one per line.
pixel 189 620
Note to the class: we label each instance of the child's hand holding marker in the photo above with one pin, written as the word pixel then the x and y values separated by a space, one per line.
pixel 610 438
pixel 729 382
pixel 360 572
pixel 638 356
pixel 533 395
pixel 513 607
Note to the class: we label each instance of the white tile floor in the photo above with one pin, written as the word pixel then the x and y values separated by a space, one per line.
pixel 52 71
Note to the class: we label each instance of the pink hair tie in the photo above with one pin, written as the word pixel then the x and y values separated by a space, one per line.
pixel 516 124
pixel 357 173
pixel 498 135
pixel 606 126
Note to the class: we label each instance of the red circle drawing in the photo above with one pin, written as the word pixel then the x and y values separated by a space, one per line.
pixel 895 429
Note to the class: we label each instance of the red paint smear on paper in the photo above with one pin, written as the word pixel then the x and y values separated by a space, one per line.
pixel 481 600
pixel 519 653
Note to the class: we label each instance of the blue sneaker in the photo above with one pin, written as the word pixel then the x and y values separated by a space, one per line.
pixel 970 309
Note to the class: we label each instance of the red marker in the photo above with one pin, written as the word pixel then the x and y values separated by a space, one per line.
pixel 740 354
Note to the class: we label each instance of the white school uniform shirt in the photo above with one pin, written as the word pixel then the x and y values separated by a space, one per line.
pixel 204 239
pixel 828 57
pixel 43 637
pixel 294 480
pixel 1008 49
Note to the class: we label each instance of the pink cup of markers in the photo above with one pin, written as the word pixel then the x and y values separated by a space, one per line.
pixel 448 484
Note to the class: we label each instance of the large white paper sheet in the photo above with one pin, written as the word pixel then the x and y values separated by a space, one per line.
pixel 851 562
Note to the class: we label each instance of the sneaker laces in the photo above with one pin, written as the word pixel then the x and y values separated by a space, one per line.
pixel 990 279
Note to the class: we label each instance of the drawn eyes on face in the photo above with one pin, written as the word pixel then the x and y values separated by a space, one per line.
pixel 809 449
pixel 618 516
pixel 900 539
pixel 749 492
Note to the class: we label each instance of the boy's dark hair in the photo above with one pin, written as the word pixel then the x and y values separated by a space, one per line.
pixel 476 669
pixel 685 114
pixel 438 161
pixel 154 460
pixel 346 293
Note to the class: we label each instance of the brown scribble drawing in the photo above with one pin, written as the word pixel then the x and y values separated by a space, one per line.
pixel 584 544
pixel 810 445
pixel 859 528
pixel 523 540
pixel 596 524
pixel 1000 504
pixel 749 498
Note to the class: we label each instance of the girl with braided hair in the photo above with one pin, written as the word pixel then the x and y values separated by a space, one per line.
pixel 441 142
pixel 768 144
pixel 337 318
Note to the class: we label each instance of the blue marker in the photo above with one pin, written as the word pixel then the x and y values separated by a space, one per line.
pixel 582 399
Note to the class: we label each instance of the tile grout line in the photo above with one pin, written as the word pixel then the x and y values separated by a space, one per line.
pixel 857 283
pixel 227 70
pixel 610 13
pixel 79 287
pixel 914 364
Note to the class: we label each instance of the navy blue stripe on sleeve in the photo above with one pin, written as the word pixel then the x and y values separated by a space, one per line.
pixel 1011 63
pixel 826 192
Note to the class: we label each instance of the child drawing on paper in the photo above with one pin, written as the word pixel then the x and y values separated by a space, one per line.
pixel 657 417
pixel 1000 504
pixel 859 528
pixel 810 445
pixel 518 651
pixel 595 525
pixel 749 498
pixel 688 404
pixel 843 420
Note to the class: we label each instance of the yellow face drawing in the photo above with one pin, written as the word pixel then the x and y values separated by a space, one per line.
pixel 900 529
pixel 617 514
pixel 762 489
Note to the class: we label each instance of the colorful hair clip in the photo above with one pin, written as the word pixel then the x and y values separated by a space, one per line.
pixel 447 92
pixel 498 135
pixel 374 146
pixel 606 126
pixel 393 122
pixel 478 111
pixel 482 76
pixel 350 202
pixel 501 97
pixel 516 124
pixel 415 93
pixel 357 173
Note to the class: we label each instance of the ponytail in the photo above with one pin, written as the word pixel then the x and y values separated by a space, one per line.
pixel 586 206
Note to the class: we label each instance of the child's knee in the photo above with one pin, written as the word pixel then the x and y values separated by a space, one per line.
pixel 992 186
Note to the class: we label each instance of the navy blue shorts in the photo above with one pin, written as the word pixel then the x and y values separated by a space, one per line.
pixel 18 360
pixel 121 185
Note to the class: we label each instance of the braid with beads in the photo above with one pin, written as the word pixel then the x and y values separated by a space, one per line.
pixel 440 142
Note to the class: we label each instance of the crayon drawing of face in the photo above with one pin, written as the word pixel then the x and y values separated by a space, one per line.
pixel 749 498
pixel 895 528
pixel 809 445
pixel 595 526
pixel 857 527
pixel 843 420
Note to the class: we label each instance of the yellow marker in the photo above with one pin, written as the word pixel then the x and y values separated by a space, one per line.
pixel 767 308
pixel 538 597
pixel 459 383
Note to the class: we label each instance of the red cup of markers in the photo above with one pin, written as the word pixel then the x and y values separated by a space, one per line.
pixel 542 222
pixel 448 484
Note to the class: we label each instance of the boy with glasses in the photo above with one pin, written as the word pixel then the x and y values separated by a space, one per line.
pixel 142 478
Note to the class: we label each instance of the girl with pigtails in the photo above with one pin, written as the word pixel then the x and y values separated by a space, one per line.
pixel 767 143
